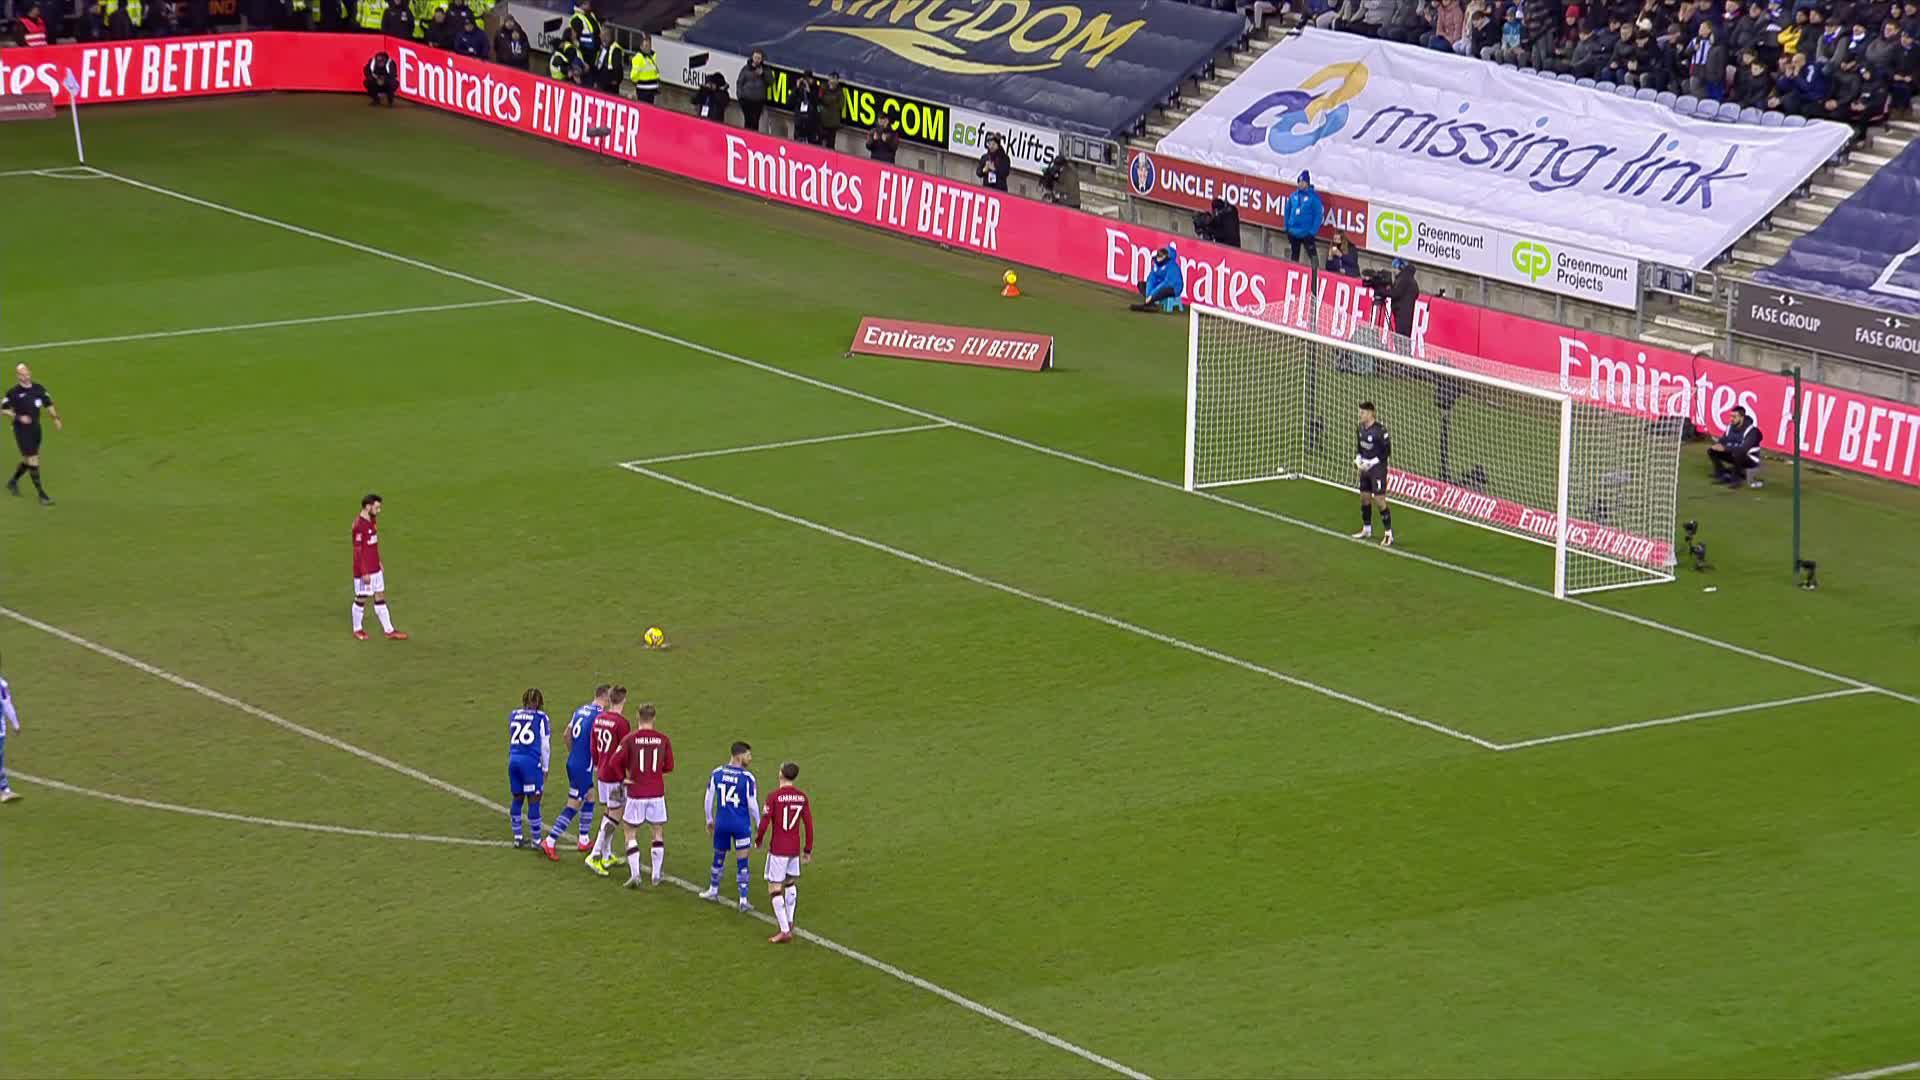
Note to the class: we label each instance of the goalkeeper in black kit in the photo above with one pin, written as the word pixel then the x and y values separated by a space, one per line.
pixel 1372 448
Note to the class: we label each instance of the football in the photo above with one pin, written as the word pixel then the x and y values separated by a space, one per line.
pixel 654 637
pixel 1011 278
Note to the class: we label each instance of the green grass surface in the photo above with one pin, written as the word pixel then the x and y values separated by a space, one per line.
pixel 1187 866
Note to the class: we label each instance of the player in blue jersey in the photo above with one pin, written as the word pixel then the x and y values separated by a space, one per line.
pixel 579 774
pixel 528 735
pixel 733 813
pixel 7 716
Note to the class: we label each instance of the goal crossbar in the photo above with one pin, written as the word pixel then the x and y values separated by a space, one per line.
pixel 1255 411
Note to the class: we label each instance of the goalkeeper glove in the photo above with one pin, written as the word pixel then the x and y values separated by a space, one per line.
pixel 1370 463
pixel 1360 463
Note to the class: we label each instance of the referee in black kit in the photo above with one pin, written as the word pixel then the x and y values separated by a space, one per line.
pixel 1372 448
pixel 21 405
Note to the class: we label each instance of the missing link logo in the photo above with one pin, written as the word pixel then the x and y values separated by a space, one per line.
pixel 1289 121
pixel 1393 229
pixel 1532 259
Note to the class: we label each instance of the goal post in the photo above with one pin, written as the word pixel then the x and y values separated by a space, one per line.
pixel 1476 441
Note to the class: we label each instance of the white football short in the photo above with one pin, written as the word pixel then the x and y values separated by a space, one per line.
pixel 783 868
pixel 375 582
pixel 612 796
pixel 646 812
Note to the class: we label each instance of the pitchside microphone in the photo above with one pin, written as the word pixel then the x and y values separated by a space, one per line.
pixel 598 135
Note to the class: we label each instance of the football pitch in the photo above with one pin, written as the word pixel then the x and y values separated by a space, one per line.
pixel 1110 778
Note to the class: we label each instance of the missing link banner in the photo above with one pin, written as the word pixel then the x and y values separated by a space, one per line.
pixel 1432 132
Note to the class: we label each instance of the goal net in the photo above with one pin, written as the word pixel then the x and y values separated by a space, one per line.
pixel 1480 442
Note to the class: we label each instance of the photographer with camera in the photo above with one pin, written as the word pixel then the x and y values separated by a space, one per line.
pixel 1220 224
pixel 994 165
pixel 711 102
pixel 1400 291
pixel 1059 183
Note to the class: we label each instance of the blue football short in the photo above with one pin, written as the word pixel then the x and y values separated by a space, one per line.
pixel 523 776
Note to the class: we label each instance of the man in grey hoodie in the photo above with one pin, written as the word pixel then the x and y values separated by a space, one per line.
pixel 750 89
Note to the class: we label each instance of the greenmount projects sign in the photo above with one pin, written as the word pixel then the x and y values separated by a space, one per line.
pixel 1513 257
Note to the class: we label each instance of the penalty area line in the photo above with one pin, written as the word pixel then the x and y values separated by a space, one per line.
pixel 270 324
pixel 985 433
pixel 967 1003
pixel 815 441
pixel 1890 1070
pixel 1061 605
pixel 1731 710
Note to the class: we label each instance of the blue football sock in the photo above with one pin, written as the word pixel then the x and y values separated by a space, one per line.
pixel 533 815
pixel 719 860
pixel 513 815
pixel 560 823
pixel 586 820
pixel 740 875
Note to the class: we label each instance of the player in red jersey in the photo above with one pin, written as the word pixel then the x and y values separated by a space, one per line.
pixel 369 581
pixel 610 730
pixel 786 812
pixel 645 758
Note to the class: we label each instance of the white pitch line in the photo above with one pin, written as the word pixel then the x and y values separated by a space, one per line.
pixel 268 325
pixel 881 966
pixel 1876 1074
pixel 249 819
pixel 1061 605
pixel 987 433
pixel 1730 710
pixel 728 451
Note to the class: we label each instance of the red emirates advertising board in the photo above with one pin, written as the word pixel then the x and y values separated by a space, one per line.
pixel 1843 429
pixel 1162 179
pixel 953 344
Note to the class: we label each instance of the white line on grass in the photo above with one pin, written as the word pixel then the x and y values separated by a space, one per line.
pixel 268 325
pixel 249 819
pixel 1011 440
pixel 783 445
pixel 1061 605
pixel 1876 1074
pixel 1730 710
pixel 855 955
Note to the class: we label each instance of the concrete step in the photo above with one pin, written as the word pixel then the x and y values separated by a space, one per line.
pixel 1680 341
pixel 1752 258
pixel 1100 209
pixel 1830 193
pixel 1774 243
pixel 1091 191
pixel 1909 124
pixel 1684 326
pixel 1854 173
pixel 1872 158
pixel 1789 222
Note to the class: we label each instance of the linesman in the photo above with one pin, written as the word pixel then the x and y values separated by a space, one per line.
pixel 22 405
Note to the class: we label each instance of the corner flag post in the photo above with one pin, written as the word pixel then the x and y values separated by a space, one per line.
pixel 73 106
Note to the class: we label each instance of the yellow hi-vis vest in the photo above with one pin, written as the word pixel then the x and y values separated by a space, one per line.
pixel 422 15
pixel 137 11
pixel 645 72
pixel 371 12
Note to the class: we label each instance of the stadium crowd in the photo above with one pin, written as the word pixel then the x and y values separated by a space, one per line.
pixel 1853 61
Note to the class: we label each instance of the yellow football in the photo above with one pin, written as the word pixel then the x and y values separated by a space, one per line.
pixel 654 637
pixel 1011 278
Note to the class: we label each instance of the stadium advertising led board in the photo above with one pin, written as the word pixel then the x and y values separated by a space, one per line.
pixel 1550 161
pixel 1843 428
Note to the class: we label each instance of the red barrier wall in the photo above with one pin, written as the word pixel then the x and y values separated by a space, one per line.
pixel 1843 429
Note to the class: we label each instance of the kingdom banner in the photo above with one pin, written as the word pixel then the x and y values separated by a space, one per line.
pixel 1092 66
pixel 1843 428
pixel 1444 134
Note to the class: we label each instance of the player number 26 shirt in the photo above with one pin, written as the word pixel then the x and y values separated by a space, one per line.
pixel 366 547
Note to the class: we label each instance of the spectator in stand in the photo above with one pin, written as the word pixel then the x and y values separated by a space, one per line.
pixel 471 40
pixel 397 20
pixel 1553 50
pixel 1810 86
pixel 32 27
pixel 440 31
pixel 611 65
pixel 833 111
pixel 710 103
pixel 1830 42
pixel 1905 71
pixel 883 143
pixel 510 45
pixel 1882 52
pixel 806 109
pixel 751 87
pixel 1706 64
pixel 1842 90
pixel 1373 18
pixel 1449 25
pixel 1753 85
pixel 1302 214
pixel 1857 42
pixel 1910 18
pixel 1590 53
pixel 1483 33
pixel 1780 97
pixel 1788 38
pixel 994 165
pixel 1347 16
pixel 1869 106
pixel 1748 30
pixel 1628 65
pixel 1405 23
pixel 381 77
pixel 1342 258
pixel 1512 47
pixel 119 24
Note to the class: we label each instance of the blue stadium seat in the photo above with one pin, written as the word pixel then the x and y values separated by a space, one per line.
pixel 1709 109
pixel 1646 93
pixel 1565 76
pixel 1794 120
pixel 1685 104
pixel 1666 97
pixel 1588 83
pixel 1729 112
pixel 1749 115
pixel 1624 90
pixel 1771 118
pixel 1529 71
